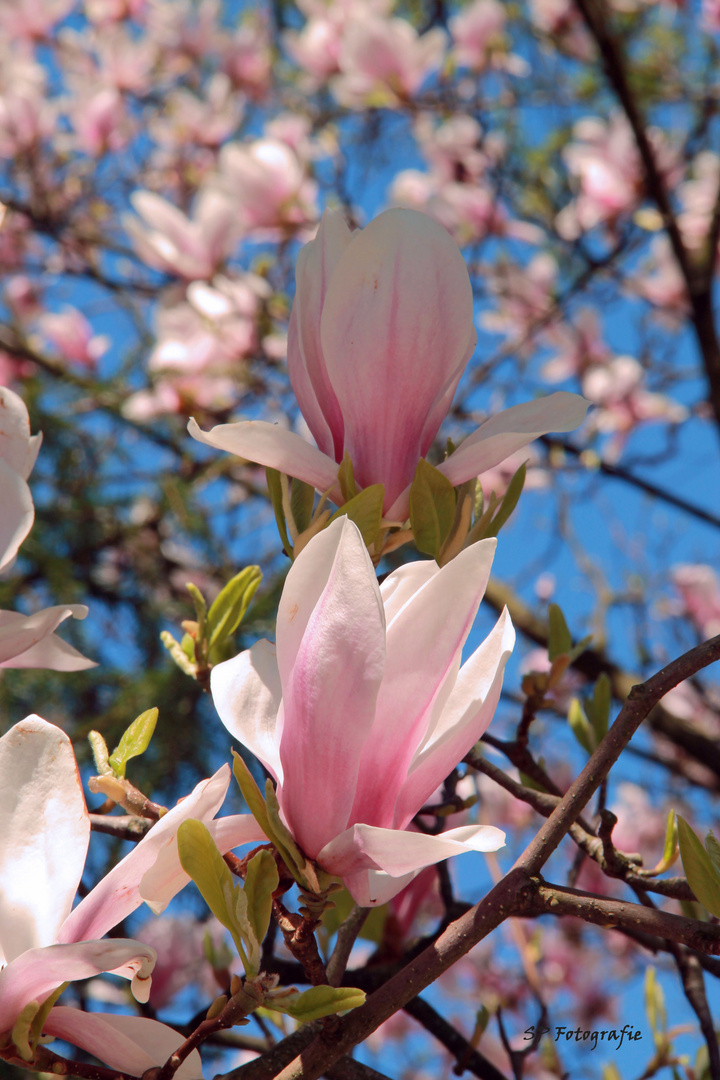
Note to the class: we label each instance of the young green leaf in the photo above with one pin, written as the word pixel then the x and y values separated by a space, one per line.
pixel 229 607
pixel 346 478
pixel 365 509
pixel 261 881
pixel 432 508
pixel 598 708
pixel 201 860
pixel 560 640
pixel 580 726
pixel 274 484
pixel 100 752
pixel 713 849
pixel 702 876
pixel 316 1002
pixel 251 794
pixel 134 742
pixel 509 501
pixel 302 500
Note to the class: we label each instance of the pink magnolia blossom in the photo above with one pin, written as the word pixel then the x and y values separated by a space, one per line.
pixel 267 185
pixel 699 589
pixel 381 331
pixel 100 120
pixel 72 335
pixel 617 387
pixel 579 344
pixel 605 164
pixel 562 21
pixel 44 838
pixel 362 709
pixel 525 299
pixel 698 197
pixel 661 282
pixel 248 56
pixel 32 20
pixel 710 18
pixel 384 61
pixel 181 955
pixel 191 247
pixel 479 39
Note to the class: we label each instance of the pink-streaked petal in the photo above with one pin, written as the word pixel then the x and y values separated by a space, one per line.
pixel 396 328
pixel 247 694
pixel 166 877
pixel 17 448
pixel 19 632
pixel 306 363
pixel 130 1044
pixel 118 893
pixel 44 834
pixel 36 973
pixel 424 646
pixel 273 446
pixel 512 429
pixel 463 719
pixel 329 697
pixel 18 513
pixel 398 852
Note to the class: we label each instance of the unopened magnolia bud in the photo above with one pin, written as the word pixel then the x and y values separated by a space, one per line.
pixel 235 985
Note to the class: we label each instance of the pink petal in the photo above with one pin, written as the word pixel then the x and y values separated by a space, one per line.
pixel 402 584
pixel 329 694
pixel 18 513
pixel 306 363
pixel 463 719
pixel 399 853
pixel 36 973
pixel 512 429
pixel 424 646
pixel 44 834
pixel 397 326
pixel 130 1044
pixel 118 893
pixel 51 654
pixel 247 695
pixel 273 446
pixel 166 877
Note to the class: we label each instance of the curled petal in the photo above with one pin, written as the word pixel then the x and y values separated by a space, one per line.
pixel 400 853
pixel 36 973
pixel 273 446
pixel 130 1044
pixel 18 448
pixel 44 838
pixel 29 641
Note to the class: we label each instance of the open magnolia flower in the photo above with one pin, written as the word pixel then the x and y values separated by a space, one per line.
pixel 44 836
pixel 26 641
pixel 381 331
pixel 362 709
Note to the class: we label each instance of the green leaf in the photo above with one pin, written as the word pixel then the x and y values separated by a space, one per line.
pixel 251 794
pixel 509 501
pixel 202 861
pixel 713 849
pixel 183 661
pixel 22 1031
pixel 598 708
pixel 580 726
pixel 559 639
pixel 365 509
pixel 316 1002
pixel 700 872
pixel 274 484
pixel 134 742
pixel 229 607
pixel 579 648
pixel 261 881
pixel 281 836
pixel 200 606
pixel 347 478
pixel 432 508
pixel 302 500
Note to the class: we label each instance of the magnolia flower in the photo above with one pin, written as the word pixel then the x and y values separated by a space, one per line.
pixel 191 247
pixel 381 331
pixel 18 452
pixel 364 708
pixel 44 836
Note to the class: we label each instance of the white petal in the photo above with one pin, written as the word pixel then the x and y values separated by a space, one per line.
pixel 44 834
pixel 247 694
